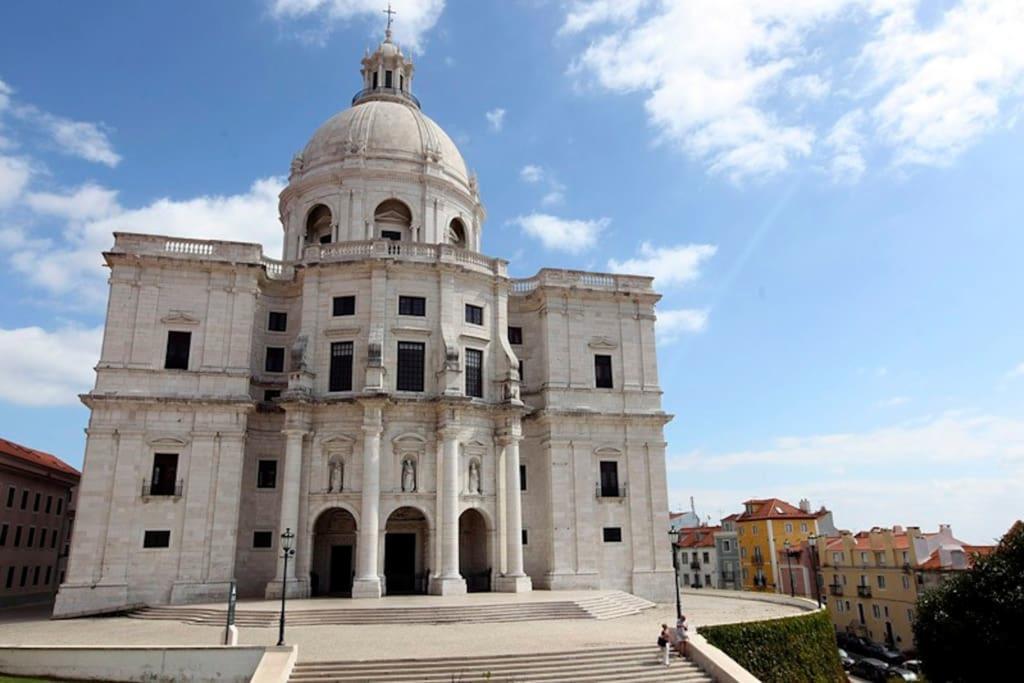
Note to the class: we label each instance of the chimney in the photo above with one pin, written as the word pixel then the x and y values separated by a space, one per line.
pixel 692 508
pixel 805 505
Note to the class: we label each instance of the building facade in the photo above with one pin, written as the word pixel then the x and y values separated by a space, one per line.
pixel 697 558
pixel 874 578
pixel 727 550
pixel 36 517
pixel 417 419
pixel 764 528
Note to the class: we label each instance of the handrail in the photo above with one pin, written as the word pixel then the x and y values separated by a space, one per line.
pixel 394 92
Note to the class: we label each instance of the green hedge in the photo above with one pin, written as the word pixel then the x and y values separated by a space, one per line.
pixel 799 648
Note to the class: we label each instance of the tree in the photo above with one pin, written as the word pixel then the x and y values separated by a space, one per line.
pixel 972 626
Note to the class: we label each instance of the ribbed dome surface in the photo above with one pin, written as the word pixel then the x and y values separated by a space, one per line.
pixel 384 129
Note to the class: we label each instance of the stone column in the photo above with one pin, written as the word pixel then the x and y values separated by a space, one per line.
pixel 449 581
pixel 515 579
pixel 290 479
pixel 367 581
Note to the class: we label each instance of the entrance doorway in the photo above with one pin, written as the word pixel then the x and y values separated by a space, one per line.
pixel 473 563
pixel 334 543
pixel 406 538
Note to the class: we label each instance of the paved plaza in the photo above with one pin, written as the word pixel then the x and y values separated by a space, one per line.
pixel 323 643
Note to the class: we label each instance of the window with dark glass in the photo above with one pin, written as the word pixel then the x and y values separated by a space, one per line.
pixel 262 539
pixel 3 535
pixel 278 321
pixel 524 537
pixel 410 366
pixel 522 373
pixel 388 78
pixel 178 344
pixel 474 314
pixel 10 578
pixel 164 477
pixel 35 575
pixel 325 238
pixel 612 534
pixel 24 576
pixel 53 540
pixel 475 373
pixel 49 504
pixel 341 366
pixel 393 235
pixel 266 476
pixel 609 479
pixel 31 537
pixel 515 335
pixel 60 505
pixel 11 493
pixel 603 371
pixel 24 499
pixel 42 537
pixel 412 305
pixel 271 394
pixel 49 575
pixel 156 539
pixel 375 79
pixel 36 501
pixel 522 477
pixel 344 305
pixel 275 359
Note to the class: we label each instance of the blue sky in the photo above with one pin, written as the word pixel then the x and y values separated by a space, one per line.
pixel 828 192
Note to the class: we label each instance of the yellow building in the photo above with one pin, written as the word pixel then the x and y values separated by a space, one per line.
pixel 872 579
pixel 763 529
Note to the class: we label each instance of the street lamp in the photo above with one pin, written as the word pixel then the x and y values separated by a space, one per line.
pixel 675 571
pixel 789 565
pixel 287 551
pixel 813 541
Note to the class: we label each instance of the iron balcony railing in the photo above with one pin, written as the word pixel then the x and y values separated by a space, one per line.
pixel 158 488
pixel 610 491
pixel 758 560
pixel 835 589
pixel 695 565
pixel 394 92
pixel 864 591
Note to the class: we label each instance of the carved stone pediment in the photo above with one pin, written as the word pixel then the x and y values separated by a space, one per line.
pixel 602 343
pixel 341 332
pixel 179 318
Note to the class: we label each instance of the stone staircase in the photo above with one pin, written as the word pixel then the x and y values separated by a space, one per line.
pixel 605 605
pixel 628 664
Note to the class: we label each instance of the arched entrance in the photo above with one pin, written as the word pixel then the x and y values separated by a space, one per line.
pixel 473 563
pixel 334 553
pixel 406 537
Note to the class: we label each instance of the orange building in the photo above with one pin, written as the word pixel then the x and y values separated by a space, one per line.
pixel 768 526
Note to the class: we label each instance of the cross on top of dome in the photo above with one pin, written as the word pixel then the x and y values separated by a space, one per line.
pixel 387 73
pixel 391 13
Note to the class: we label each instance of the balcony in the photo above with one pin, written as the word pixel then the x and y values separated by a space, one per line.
pixel 758 560
pixel 388 93
pixel 863 591
pixel 154 489
pixel 695 565
pixel 613 492
pixel 835 589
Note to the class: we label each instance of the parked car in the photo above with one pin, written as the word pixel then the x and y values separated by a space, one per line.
pixel 890 657
pixel 912 664
pixel 902 673
pixel 851 643
pixel 846 659
pixel 870 669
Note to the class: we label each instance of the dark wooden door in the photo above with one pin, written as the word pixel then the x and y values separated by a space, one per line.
pixel 341 569
pixel 400 563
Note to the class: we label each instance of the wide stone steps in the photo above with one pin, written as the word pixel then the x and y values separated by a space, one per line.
pixel 628 663
pixel 602 606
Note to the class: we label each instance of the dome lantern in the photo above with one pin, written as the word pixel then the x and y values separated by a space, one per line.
pixel 387 73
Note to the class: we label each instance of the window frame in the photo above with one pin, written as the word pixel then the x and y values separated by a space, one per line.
pixel 260 485
pixel 179 360
pixel 611 534
pixel 474 315
pixel 277 321
pixel 404 372
pixel 608 472
pixel 474 373
pixel 413 306
pixel 343 305
pixel 270 536
pixel 337 367
pixel 149 539
pixel 161 488
pixel 515 335
pixel 603 377
pixel 278 357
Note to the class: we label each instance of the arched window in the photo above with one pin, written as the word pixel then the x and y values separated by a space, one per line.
pixel 457 234
pixel 318 225
pixel 393 220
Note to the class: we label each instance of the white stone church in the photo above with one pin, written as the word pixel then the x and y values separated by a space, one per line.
pixel 419 420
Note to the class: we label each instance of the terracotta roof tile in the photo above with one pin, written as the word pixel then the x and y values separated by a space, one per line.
pixel 38 458
pixel 774 508
pixel 697 537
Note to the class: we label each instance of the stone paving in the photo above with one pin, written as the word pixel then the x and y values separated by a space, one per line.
pixel 324 643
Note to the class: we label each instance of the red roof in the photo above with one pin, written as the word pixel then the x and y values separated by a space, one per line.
pixel 38 458
pixel 731 518
pixel 697 537
pixel 773 508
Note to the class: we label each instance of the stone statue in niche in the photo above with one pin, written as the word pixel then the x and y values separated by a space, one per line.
pixel 336 476
pixel 451 358
pixel 298 352
pixel 408 475
pixel 374 348
pixel 474 477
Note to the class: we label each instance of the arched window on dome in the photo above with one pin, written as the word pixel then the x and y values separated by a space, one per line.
pixel 392 220
pixel 318 225
pixel 457 234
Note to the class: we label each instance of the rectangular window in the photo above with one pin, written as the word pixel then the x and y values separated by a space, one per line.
pixel 388 78
pixel 803 527
pixel 474 373
pixel 17 537
pixel 341 366
pixel 524 537
pixel 910 613
pixel 609 479
pixel 178 344
pixel 906 582
pixel 31 537
pixel 53 538
pixel 60 505
pixel 156 539
pixel 875 611
pixel 881 581
pixel 42 537
pixel 726 546
pixel 880 558
pixel 35 575
pixel 412 305
pixel 410 365
pixel 474 314
pixel 789 527
pixel 24 499
pixel 164 478
pixel 603 371
pixel 24 576
pixel 706 560
pixel 522 372
pixel 262 539
pixel 393 235
pixel 11 493
pixel 3 535
pixel 344 305
pixel 275 359
pixel 522 477
pixel 266 477
pixel 49 575
pixel 49 504
pixel 10 577
pixel 35 503
pixel 271 394
pixel 278 321
pixel 515 335
pixel 612 534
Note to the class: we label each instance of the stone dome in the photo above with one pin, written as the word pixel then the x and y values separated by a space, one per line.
pixel 386 128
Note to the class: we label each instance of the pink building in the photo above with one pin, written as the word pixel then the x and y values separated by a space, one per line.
pixel 797 567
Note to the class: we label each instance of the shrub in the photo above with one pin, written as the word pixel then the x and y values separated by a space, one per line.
pixel 801 648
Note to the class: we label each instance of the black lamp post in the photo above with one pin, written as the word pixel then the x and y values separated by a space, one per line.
pixel 789 566
pixel 286 551
pixel 813 541
pixel 675 571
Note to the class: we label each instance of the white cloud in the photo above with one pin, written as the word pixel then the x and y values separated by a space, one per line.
pixel 5 95
pixel 553 198
pixel 669 265
pixel 43 368
pixel 846 140
pixel 562 234
pixel 893 401
pixel 531 173
pixel 1017 371
pixel 583 14
pixel 412 21
pixel 496 118
pixel 88 201
pixel 14 177
pixel 83 139
pixel 674 324
pixel 808 87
